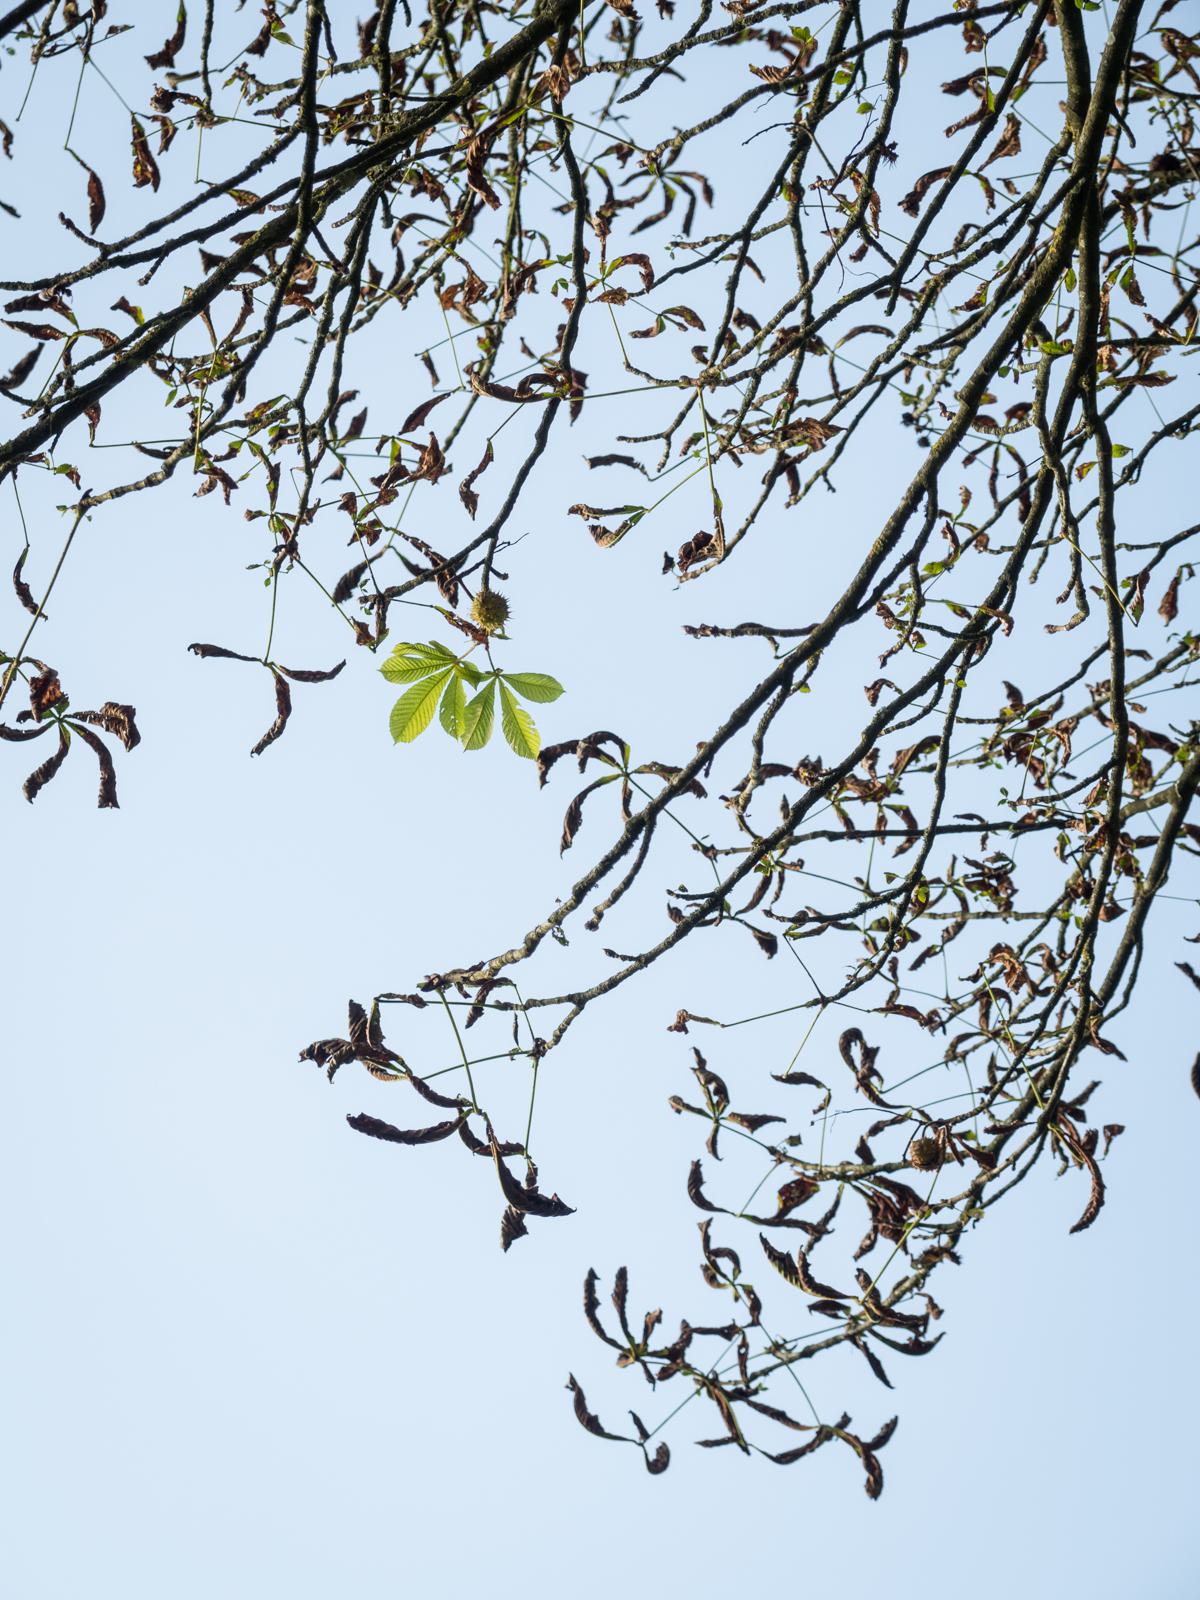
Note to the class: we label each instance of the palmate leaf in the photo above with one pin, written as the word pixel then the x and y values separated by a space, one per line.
pixel 537 686
pixel 479 717
pixel 413 712
pixel 439 680
pixel 518 726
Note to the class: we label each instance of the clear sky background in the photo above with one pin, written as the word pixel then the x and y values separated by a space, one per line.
pixel 245 1351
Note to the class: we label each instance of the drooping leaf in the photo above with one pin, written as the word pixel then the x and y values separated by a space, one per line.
pixel 107 798
pixel 589 1419
pixel 283 710
pixel 466 489
pixel 145 168
pixel 524 1198
pixel 41 776
pixel 512 1227
pixel 23 591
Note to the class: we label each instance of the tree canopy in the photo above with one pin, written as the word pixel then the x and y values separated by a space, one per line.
pixel 726 259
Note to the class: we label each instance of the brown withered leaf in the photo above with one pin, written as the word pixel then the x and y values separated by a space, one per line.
pixel 115 719
pixel 512 1227
pixel 573 816
pixel 696 1192
pixel 641 262
pixel 870 1461
pixel 45 692
pixel 145 168
pixel 45 331
pixel 872 1360
pixel 204 651
pixel 478 151
pixel 1009 143
pixel 418 417
pixel 1096 1197
pixel 107 798
pixel 447 1102
pixel 912 200
pixel 346 584
pixel 166 56
pixel 466 490
pixel 95 194
pixel 795 1077
pixel 591 1310
pixel 41 776
pixel 589 1419
pixel 24 366
pixel 751 1121
pixel 375 1129
pixel 795 1192
pixel 781 1261
pixel 810 1285
pixel 283 710
pixel 525 1198
pixel 431 463
pixel 482 1147
pixel 23 592
pixel 914 1346
pixel 311 674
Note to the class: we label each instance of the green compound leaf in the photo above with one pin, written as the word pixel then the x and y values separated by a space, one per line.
pixel 479 717
pixel 538 686
pixel 518 726
pixel 413 712
pixel 453 709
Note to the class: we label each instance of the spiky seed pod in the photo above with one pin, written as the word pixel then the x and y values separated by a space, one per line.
pixel 489 610
pixel 924 1154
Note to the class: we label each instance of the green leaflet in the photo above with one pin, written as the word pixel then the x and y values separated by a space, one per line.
pixel 410 669
pixel 518 726
pixel 452 711
pixel 479 717
pixel 413 712
pixel 537 686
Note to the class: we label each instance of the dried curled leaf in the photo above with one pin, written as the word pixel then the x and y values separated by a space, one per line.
pixel 376 1129
pixel 527 1198
pixel 283 710
pixel 23 592
pixel 41 776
